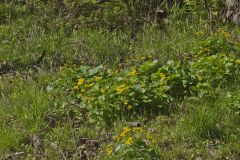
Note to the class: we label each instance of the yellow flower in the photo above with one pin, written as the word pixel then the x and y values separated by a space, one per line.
pixel 92 84
pixel 162 75
pixel 117 138
pixel 125 102
pixel 109 150
pixel 97 78
pixel 121 89
pixel 125 132
pixel 129 107
pixel 76 87
pixel 133 73
pixel 149 136
pixel 129 141
pixel 80 81
pixel 137 129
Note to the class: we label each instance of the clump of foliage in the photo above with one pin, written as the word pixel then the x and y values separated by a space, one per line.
pixel 221 41
pixel 108 93
pixel 133 143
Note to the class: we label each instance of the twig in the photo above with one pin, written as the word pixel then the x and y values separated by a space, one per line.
pixel 13 155
pixel 63 156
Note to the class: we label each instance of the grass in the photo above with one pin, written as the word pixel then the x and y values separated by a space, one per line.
pixel 46 123
pixel 27 38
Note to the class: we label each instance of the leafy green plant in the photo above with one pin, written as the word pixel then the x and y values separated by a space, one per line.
pixel 221 41
pixel 132 143
pixel 110 94
pixel 107 93
pixel 233 100
pixel 213 71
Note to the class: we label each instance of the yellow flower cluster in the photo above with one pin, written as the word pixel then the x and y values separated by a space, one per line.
pixel 133 72
pixel 129 136
pixel 90 85
pixel 128 106
pixel 79 83
pixel 121 89
pixel 137 129
pixel 162 75
pixel 125 131
pixel 97 78
pixel 129 141
pixel 150 137
pixel 109 150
